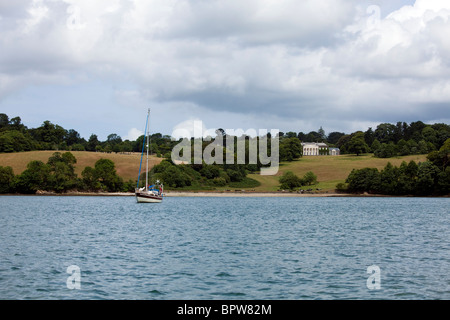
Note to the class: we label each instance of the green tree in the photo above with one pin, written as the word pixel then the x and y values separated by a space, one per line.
pixel 322 134
pixel 427 178
pixel 92 143
pixel 113 139
pixel 62 172
pixel 77 147
pixel 34 178
pixel 73 137
pixel 375 145
pixel 406 181
pixel 402 147
pixel 412 146
pixel 429 134
pixel 369 136
pixel 171 175
pixel 49 134
pixel 441 158
pixel 412 169
pixel 334 137
pixel 314 136
pixel 6 179
pixel 389 179
pixel 342 143
pixel 309 179
pixel 385 132
pixel 15 141
pixel 105 172
pixel 234 174
pixel 290 134
pixel 364 180
pixel 4 121
pixel 422 147
pixel 442 133
pixel 289 181
pixel 16 124
pixel 66 157
pixel 210 171
pixel 290 149
pixel 62 177
pixel 357 144
pixel 90 179
pixel 443 186
pixel 126 146
pixel 386 150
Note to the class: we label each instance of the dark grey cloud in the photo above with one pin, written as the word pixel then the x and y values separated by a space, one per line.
pixel 295 63
pixel 305 23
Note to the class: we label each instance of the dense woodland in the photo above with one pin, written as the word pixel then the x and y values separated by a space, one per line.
pixel 387 140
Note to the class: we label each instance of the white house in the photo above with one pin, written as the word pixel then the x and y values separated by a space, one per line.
pixel 318 149
pixel 334 151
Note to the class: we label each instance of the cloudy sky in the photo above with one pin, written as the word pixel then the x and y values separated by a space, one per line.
pixel 292 65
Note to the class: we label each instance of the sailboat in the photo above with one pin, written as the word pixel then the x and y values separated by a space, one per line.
pixel 153 193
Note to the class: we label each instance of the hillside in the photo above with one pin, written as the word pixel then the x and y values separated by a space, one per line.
pixel 127 165
pixel 330 170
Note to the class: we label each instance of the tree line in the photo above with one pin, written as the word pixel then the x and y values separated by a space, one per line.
pixel 431 177
pixel 16 137
pixel 386 140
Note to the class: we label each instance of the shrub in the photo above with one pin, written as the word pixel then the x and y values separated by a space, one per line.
pixel 290 181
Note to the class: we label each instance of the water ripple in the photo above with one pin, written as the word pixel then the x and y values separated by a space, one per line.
pixel 224 248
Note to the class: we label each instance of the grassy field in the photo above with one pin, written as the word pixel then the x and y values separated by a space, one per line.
pixel 330 170
pixel 127 165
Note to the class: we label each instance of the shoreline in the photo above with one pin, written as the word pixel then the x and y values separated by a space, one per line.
pixel 229 194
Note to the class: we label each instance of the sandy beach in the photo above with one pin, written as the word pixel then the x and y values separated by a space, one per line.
pixel 201 194
pixel 250 194
pixel 213 194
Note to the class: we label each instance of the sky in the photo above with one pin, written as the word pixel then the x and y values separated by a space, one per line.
pixel 291 65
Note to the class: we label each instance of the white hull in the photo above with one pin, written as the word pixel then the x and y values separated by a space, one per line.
pixel 147 200
pixel 143 197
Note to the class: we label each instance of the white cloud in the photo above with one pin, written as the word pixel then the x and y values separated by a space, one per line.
pixel 293 63
pixel 191 128
pixel 133 134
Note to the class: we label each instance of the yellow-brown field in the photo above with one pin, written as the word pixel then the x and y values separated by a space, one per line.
pixel 127 165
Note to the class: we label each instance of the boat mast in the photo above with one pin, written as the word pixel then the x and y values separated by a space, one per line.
pixel 148 135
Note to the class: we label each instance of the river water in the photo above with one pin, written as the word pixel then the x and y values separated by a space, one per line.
pixel 224 248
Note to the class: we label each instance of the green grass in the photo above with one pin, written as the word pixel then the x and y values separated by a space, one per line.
pixel 330 170
pixel 245 183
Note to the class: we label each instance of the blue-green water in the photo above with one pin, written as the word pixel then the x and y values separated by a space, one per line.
pixel 224 248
